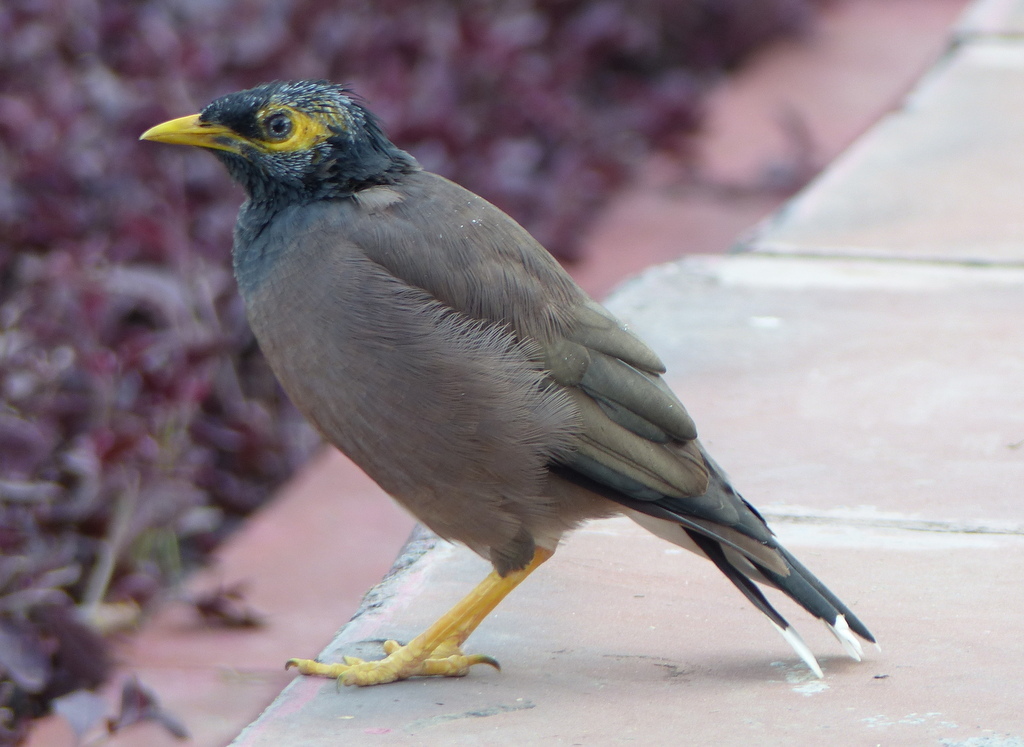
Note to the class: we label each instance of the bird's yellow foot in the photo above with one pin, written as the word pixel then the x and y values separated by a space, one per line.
pixel 435 652
pixel 401 662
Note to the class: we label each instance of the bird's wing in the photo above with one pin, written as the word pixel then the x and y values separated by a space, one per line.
pixel 635 437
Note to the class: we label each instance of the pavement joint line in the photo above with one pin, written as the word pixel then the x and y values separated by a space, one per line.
pixel 910 525
pixel 971 36
pixel 782 249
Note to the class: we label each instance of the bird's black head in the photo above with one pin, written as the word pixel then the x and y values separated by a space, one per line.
pixel 292 142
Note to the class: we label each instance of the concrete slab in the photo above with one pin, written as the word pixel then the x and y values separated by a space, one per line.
pixel 873 409
pixel 623 638
pixel 939 179
pixel 992 17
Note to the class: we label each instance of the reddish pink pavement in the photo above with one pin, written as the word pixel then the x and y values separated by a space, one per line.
pixel 309 556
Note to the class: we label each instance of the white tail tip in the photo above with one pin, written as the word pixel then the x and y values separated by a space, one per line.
pixel 841 630
pixel 793 639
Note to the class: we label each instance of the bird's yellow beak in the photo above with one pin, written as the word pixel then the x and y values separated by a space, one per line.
pixel 191 131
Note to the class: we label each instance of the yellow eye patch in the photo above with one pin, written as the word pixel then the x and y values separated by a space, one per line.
pixel 286 129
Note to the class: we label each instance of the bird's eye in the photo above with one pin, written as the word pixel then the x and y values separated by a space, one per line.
pixel 278 126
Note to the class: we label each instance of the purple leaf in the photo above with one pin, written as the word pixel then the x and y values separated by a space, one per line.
pixel 82 709
pixel 22 656
pixel 139 704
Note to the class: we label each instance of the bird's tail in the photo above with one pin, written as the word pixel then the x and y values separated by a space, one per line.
pixel 735 537
pixel 799 584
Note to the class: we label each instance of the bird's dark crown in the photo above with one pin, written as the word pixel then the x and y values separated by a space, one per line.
pixel 301 141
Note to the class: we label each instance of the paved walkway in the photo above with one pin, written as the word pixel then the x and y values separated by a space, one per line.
pixel 858 370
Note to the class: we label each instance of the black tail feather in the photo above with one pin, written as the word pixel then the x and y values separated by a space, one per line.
pixel 800 585
pixel 714 551
pixel 852 620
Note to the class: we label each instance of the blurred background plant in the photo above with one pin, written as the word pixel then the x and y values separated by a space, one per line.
pixel 139 424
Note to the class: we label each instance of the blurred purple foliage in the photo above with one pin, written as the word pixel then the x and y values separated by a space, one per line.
pixel 135 401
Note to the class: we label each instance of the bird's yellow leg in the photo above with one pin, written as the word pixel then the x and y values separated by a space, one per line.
pixel 436 651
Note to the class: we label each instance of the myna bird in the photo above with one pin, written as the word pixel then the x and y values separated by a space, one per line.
pixel 430 338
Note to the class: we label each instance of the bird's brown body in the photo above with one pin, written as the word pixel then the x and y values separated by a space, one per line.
pixel 435 342
pixel 438 397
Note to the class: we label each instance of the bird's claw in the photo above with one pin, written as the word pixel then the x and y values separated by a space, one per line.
pixel 401 662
